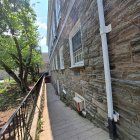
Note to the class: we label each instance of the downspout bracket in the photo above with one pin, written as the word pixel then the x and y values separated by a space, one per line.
pixel 106 29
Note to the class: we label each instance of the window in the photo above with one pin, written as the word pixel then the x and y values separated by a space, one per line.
pixel 53 65
pixel 58 88
pixel 76 49
pixel 58 13
pixel 61 58
pixel 56 63
pixel 53 27
pixel 51 39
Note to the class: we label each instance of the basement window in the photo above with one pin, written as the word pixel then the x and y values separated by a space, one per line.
pixel 76 49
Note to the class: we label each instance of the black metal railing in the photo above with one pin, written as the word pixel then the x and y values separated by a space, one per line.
pixel 19 124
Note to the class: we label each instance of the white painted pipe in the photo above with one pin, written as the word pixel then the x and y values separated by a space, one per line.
pixel 103 30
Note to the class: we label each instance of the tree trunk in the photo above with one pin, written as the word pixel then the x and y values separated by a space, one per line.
pixel 24 87
pixel 27 65
pixel 33 74
pixel 20 82
pixel 37 69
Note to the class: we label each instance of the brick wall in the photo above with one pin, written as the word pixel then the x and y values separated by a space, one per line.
pixel 124 54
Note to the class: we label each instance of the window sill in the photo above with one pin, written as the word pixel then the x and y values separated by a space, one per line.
pixel 55 70
pixel 77 66
pixel 62 68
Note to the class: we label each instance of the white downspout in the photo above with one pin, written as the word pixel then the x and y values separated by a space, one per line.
pixel 103 30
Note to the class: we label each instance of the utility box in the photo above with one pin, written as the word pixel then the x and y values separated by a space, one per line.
pixel 79 103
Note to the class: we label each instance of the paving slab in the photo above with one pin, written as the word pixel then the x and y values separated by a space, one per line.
pixel 67 124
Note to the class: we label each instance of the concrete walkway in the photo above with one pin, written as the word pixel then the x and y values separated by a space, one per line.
pixel 66 124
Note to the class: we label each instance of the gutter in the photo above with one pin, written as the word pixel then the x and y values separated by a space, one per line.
pixel 103 31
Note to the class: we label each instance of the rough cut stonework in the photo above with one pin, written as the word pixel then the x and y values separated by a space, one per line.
pixel 124 54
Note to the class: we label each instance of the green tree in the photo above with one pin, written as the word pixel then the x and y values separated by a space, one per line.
pixel 18 40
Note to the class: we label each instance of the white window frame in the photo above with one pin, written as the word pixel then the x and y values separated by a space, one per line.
pixel 53 65
pixel 53 27
pixel 58 87
pixel 61 57
pixel 58 11
pixel 74 30
pixel 56 63
pixel 51 39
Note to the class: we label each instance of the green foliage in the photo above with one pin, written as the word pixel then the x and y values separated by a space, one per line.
pixel 18 40
pixel 7 47
pixel 9 95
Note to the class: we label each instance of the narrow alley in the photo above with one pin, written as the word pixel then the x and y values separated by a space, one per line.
pixel 66 124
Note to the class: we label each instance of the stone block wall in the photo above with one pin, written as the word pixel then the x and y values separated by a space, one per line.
pixel 124 54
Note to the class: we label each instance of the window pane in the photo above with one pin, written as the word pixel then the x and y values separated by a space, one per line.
pixel 61 58
pixel 58 13
pixel 76 41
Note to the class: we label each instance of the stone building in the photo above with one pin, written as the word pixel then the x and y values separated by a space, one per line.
pixel 76 59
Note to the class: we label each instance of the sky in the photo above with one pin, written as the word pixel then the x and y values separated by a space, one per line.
pixel 41 10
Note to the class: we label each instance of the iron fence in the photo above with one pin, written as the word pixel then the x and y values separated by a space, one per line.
pixel 19 124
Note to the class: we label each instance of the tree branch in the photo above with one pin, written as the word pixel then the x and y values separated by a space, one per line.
pixel 27 65
pixel 10 72
pixel 19 54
